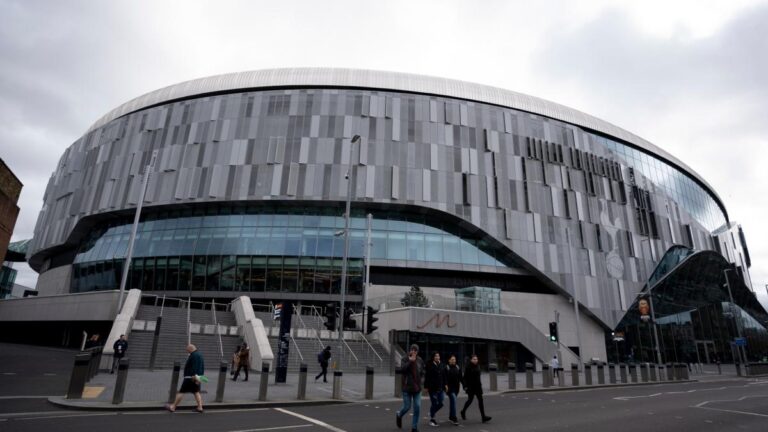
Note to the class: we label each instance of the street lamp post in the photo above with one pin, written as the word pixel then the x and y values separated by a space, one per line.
pixel 575 299
pixel 134 228
pixel 733 305
pixel 350 180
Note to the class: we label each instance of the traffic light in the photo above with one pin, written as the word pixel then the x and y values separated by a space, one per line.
pixel 330 316
pixel 553 331
pixel 349 322
pixel 370 318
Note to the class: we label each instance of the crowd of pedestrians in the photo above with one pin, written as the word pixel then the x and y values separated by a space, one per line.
pixel 438 380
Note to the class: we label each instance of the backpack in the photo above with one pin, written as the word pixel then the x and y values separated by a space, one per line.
pixel 320 357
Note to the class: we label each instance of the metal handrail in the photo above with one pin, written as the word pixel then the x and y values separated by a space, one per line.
pixel 357 361
pixel 303 324
pixel 298 350
pixel 218 330
pixel 372 348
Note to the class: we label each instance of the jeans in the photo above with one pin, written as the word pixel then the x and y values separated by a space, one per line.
pixel 435 403
pixel 452 405
pixel 407 397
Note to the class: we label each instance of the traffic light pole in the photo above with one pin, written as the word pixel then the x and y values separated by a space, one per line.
pixel 559 352
pixel 367 283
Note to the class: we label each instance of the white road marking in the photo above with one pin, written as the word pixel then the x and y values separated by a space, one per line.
pixel 310 419
pixel 9 373
pixel 701 405
pixel 49 374
pixel 17 414
pixel 275 428
pixel 67 416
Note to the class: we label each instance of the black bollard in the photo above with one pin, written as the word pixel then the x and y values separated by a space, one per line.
pixel 398 382
pixel 623 372
pixel 302 391
pixel 588 374
pixel 492 369
pixel 575 374
pixel 369 382
pixel 529 375
pixel 611 373
pixel 546 376
pixel 79 376
pixel 264 381
pixel 222 381
pixel 633 372
pixel 174 382
pixel 122 376
pixel 601 373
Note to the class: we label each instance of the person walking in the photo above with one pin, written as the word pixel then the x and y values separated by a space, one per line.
pixel 555 365
pixel 194 368
pixel 435 385
pixel 412 373
pixel 235 361
pixel 453 381
pixel 324 357
pixel 243 362
pixel 474 388
pixel 119 347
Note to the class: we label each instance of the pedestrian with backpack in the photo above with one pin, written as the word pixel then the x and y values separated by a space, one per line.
pixel 324 357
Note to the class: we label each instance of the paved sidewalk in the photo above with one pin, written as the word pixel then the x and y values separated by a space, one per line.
pixel 150 390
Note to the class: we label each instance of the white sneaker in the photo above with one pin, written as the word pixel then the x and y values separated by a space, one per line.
pixel 432 422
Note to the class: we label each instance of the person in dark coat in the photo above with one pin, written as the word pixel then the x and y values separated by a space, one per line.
pixel 120 347
pixel 435 385
pixel 412 374
pixel 474 388
pixel 453 381
pixel 243 361
pixel 324 357
pixel 194 368
pixel 235 361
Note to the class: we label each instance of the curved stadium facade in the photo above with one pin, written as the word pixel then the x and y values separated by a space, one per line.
pixel 467 186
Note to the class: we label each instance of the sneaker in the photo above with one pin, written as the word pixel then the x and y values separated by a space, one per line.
pixel 463 415
pixel 398 421
pixel 486 419
pixel 432 422
pixel 455 422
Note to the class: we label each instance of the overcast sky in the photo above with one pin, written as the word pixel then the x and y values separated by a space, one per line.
pixel 689 76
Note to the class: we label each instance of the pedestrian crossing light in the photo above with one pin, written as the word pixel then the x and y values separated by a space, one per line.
pixel 553 331
pixel 370 318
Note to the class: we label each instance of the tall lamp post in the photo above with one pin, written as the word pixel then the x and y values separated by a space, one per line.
pixel 350 180
pixel 733 305
pixel 134 228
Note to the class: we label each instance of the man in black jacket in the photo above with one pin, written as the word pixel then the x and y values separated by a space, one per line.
pixel 435 384
pixel 412 373
pixel 120 347
pixel 453 381
pixel 474 389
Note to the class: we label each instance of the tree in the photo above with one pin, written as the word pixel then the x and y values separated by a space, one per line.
pixel 415 297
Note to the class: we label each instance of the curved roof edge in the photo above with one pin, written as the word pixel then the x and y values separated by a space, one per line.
pixel 395 81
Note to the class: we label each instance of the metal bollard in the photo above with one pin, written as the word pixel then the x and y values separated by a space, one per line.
pixel 529 375
pixel 575 374
pixel 719 369
pixel 633 372
pixel 601 373
pixel 263 381
pixel 652 371
pixel 560 377
pixel 644 372
pixel 174 381
pixel 155 340
pixel 122 376
pixel 492 370
pixel 611 373
pixel 398 382
pixel 686 376
pixel 369 382
pixel 588 374
pixel 512 373
pixel 337 384
pixel 670 372
pixel 92 365
pixel 99 352
pixel 222 381
pixel 301 394
pixel 662 373
pixel 546 376
pixel 79 376
pixel 623 373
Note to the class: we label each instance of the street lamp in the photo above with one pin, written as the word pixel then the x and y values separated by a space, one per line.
pixel 738 328
pixel 348 176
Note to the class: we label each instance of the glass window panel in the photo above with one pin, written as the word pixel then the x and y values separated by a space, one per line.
pixel 434 248
pixel 228 273
pixel 468 252
pixel 378 245
pixel 292 242
pixel 415 246
pixel 325 243
pixel 396 246
pixel 451 249
pixel 290 275
pixel 357 243
pixel 213 273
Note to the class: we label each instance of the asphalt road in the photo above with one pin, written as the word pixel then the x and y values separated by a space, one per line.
pixel 716 404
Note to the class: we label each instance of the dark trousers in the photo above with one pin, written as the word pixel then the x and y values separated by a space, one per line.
pixel 244 367
pixel 323 373
pixel 115 362
pixel 479 403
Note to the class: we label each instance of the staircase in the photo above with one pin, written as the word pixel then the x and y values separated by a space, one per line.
pixel 172 342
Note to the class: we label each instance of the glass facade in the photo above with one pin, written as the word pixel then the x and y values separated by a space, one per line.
pixel 675 183
pixel 239 249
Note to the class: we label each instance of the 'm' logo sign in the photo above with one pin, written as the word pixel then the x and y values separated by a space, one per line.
pixel 439 321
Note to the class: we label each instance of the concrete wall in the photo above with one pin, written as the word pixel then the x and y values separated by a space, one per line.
pixel 54 281
pixel 91 306
pixel 253 332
